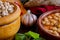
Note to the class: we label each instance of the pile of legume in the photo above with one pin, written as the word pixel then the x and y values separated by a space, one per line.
pixel 52 23
pixel 6 8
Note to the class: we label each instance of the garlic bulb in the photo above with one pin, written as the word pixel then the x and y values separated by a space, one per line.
pixel 29 18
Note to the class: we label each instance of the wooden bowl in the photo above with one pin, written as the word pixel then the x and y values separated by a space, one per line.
pixel 9 25
pixel 8 19
pixel 9 30
pixel 43 31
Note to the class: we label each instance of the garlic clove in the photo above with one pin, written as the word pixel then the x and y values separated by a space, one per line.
pixel 22 19
pixel 25 20
pixel 30 22
pixel 34 17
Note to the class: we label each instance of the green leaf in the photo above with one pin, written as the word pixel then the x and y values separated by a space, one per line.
pixel 28 36
pixel 32 34
pixel 20 37
pixel 39 38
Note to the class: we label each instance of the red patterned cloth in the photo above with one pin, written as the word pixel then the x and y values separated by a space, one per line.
pixel 43 9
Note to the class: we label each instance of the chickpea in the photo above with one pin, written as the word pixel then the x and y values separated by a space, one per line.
pixel 50 17
pixel 7 3
pixel 57 14
pixel 58 30
pixel 46 19
pixel 53 21
pixel 47 27
pixel 11 11
pixel 4 13
pixel 51 31
pixel 58 25
pixel 56 33
pixel 50 28
pixel 59 19
pixel 47 23
pixel 56 18
pixel 54 28
pixel 43 22
pixel 11 5
pixel 6 6
pixel 3 8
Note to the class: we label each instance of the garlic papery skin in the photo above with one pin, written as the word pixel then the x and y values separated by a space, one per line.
pixel 29 18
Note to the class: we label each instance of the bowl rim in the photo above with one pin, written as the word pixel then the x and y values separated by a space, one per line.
pixel 11 17
pixel 41 25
